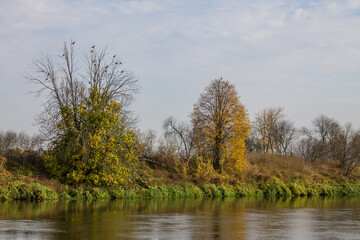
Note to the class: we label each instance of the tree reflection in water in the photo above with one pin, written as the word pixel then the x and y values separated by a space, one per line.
pixel 292 218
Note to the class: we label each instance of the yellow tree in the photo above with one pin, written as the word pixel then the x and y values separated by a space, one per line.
pixel 221 126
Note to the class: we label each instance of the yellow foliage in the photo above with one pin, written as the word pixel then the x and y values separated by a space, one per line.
pixel 222 125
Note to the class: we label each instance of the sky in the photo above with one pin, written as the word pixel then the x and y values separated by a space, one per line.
pixel 303 56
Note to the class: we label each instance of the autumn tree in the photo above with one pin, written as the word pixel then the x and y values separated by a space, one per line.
pixel 85 116
pixel 222 126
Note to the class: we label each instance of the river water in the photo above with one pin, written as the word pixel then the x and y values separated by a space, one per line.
pixel 297 218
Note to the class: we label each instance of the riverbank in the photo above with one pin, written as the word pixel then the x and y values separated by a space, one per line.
pixel 271 188
pixel 265 176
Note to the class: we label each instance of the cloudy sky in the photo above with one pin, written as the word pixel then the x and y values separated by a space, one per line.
pixel 303 56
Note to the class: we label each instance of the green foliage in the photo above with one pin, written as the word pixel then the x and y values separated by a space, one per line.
pixel 19 191
pixel 41 192
pixel 298 189
pixel 173 192
pixel 326 189
pixel 99 193
pixel 97 149
pixel 87 195
pixel 22 191
pixel 274 187
pixel 247 190
pixel 211 191
pixel 226 191
pixel 64 196
pixel 350 190
pixel 121 193
pixel 192 191
pixel 77 193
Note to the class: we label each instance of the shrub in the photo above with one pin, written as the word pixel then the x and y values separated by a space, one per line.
pixel 297 189
pixel 274 187
pixel 99 193
pixel 121 193
pixel 40 192
pixel 211 191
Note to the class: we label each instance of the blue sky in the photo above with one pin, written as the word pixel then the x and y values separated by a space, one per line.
pixel 300 55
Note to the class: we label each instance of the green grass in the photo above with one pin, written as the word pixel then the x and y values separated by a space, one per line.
pixel 270 188
pixel 23 191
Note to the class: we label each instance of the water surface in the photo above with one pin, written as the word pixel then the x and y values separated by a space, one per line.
pixel 301 218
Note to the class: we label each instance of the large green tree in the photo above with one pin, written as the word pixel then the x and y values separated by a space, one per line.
pixel 85 116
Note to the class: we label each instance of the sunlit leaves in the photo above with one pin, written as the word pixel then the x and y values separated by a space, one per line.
pixel 222 126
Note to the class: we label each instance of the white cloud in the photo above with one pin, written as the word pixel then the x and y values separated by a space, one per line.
pixel 276 52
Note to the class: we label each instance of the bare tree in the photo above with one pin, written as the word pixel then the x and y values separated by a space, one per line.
pixel 2 142
pixel 148 144
pixel 30 143
pixel 347 148
pixel 185 136
pixel 9 140
pixel 67 87
pixel 284 136
pixel 271 132
pixel 304 148
pixel 322 137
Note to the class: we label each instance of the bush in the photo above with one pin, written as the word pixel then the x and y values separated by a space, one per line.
pixel 99 193
pixel 40 192
pixel 297 189
pixel 247 190
pixel 19 191
pixel 64 196
pixel 274 187
pixel 77 194
pixel 121 193
pixel 211 191
pixel 192 191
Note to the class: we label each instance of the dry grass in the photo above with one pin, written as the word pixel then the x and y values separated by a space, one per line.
pixel 264 166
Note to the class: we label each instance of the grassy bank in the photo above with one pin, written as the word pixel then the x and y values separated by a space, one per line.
pixel 267 176
pixel 271 188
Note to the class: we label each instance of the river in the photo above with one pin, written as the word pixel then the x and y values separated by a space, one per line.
pixel 296 218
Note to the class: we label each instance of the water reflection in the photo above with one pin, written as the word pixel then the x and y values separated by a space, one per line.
pixel 301 218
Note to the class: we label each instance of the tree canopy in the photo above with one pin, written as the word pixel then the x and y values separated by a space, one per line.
pixel 221 126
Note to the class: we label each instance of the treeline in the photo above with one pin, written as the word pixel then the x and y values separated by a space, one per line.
pixel 11 140
pixel 21 150
pixel 326 140
pixel 91 133
pixel 92 138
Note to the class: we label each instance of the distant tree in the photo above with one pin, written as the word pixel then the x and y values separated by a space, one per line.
pixel 321 139
pixel 184 135
pixel 85 116
pixel 271 132
pixel 328 141
pixel 347 148
pixel 221 126
pixel 148 144
pixel 9 140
